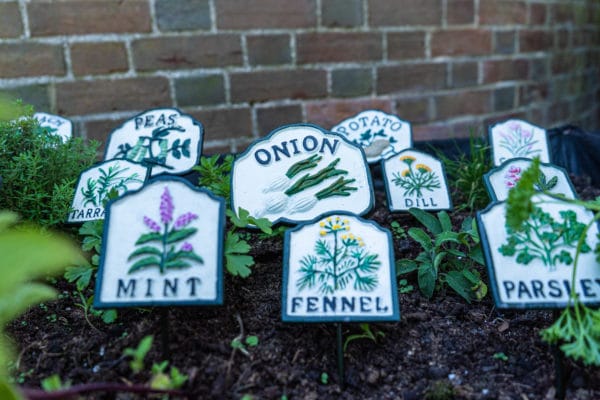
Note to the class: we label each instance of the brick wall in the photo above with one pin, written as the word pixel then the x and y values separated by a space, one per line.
pixel 244 67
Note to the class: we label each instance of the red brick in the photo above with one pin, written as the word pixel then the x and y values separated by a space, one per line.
pixel 464 74
pixel 538 13
pixel 338 47
pixel 532 93
pixel 214 148
pixel 99 130
pixel 186 52
pixel 559 112
pixel 270 118
pixel 562 13
pixel 454 105
pixel 461 42
pixel 535 40
pixel 562 38
pixel 267 14
pixel 504 12
pixel 281 84
pixel 413 110
pixel 100 96
pixel 406 45
pixel 10 20
pixel 225 123
pixel 31 59
pixel 567 62
pixel 460 12
pixel 269 49
pixel 98 58
pixel 405 12
pixel 414 77
pixel 503 117
pixel 505 70
pixel 423 133
pixel 329 113
pixel 88 16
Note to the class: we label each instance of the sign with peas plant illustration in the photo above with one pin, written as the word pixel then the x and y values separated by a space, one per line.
pixel 163 140
pixel 162 245
pixel 533 267
pixel 516 138
pixel 60 126
pixel 299 172
pixel 415 179
pixel 96 186
pixel 339 268
pixel 378 133
pixel 553 179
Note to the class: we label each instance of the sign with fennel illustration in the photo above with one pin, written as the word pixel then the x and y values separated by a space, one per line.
pixel 415 179
pixel 378 133
pixel 516 138
pixel 163 140
pixel 553 179
pixel 299 172
pixel 533 267
pixel 60 126
pixel 339 268
pixel 162 245
pixel 96 184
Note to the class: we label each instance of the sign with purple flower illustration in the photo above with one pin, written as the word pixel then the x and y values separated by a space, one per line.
pixel 415 179
pixel 162 245
pixel 163 140
pixel 58 125
pixel 553 179
pixel 378 133
pixel 339 268
pixel 516 138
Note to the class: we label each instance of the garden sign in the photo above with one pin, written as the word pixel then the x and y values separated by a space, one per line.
pixel 59 125
pixel 516 138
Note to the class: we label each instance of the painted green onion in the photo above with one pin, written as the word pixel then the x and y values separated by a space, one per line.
pixel 303 165
pixel 337 188
pixel 309 180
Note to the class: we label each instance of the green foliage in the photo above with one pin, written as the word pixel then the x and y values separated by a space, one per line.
pixel 249 341
pixel 54 383
pixel 324 378
pixel 139 353
pixel 215 174
pixel 163 381
pixel 398 231
pixel 448 257
pixel 440 390
pixel 519 205
pixel 39 171
pixel 500 356
pixel 366 333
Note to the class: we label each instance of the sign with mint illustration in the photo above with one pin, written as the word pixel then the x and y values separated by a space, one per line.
pixel 415 179
pixel 98 184
pixel 339 268
pixel 378 133
pixel 299 172
pixel 533 267
pixel 60 126
pixel 163 140
pixel 516 138
pixel 162 245
pixel 553 179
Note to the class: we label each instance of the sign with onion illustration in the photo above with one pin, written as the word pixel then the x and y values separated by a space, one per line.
pixel 339 268
pixel 299 172
pixel 60 126
pixel 378 133
pixel 163 140
pixel 415 179
pixel 162 245
pixel 516 138
pixel 553 179
pixel 96 184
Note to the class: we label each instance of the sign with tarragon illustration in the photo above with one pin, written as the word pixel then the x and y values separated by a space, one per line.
pixel 96 184
pixel 299 172
pixel 162 140
pixel 533 267
pixel 162 245
pixel 415 179
pixel 516 138
pixel 339 268
pixel 553 179
pixel 60 126
pixel 379 134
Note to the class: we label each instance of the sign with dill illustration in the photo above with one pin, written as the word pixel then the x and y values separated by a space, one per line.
pixel 378 133
pixel 553 179
pixel 415 179
pixel 162 140
pixel 299 172
pixel 339 268
pixel 58 125
pixel 533 267
pixel 516 138
pixel 98 184
pixel 162 245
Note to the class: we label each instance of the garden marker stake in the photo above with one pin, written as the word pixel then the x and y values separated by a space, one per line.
pixel 516 138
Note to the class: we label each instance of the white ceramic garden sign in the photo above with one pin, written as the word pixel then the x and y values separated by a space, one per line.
pixel 339 268
pixel 516 138
pixel 299 172
pixel 60 126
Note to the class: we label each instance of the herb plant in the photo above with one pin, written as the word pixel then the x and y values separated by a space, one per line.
pixel 215 174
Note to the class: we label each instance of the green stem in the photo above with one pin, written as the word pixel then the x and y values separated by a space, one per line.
pixel 335 254
pixel 163 256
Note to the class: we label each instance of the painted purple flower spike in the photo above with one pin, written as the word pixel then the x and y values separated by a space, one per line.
pixel 166 207
pixel 184 220
pixel 187 247
pixel 149 222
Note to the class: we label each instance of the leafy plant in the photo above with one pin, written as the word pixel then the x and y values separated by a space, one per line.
pixel 398 231
pixel 54 383
pixel 448 257
pixel 138 354
pixel 161 380
pixel 366 333
pixel 215 174
pixel 249 341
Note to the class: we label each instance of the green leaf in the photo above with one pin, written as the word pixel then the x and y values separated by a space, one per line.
pixel 241 219
pixel 234 244
pixel 445 222
pixel 519 205
pixel 446 237
pixel 177 264
pixel 145 250
pixel 421 237
pixel 461 285
pixel 181 234
pixel 81 275
pixel 263 224
pixel 109 316
pixel 7 391
pixel 190 255
pixel 145 263
pixel 437 261
pixel 429 221
pixel 405 266
pixel 14 301
pixel 148 237
pixel 427 277
pixel 237 260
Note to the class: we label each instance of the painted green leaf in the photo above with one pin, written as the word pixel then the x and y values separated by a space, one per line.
pixel 177 264
pixel 176 236
pixel 145 250
pixel 190 255
pixel 145 263
pixel 149 237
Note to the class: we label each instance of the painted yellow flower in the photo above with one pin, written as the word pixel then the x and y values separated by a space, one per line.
pixel 422 168
pixel 336 227
pixel 346 222
pixel 323 233
pixel 361 243
pixel 347 227
pixel 322 224
pixel 407 159
pixel 344 237
pixel 406 172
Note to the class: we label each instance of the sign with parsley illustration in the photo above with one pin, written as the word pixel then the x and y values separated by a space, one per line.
pixel 163 140
pixel 415 179
pixel 516 138
pixel 96 184
pixel 58 125
pixel 553 179
pixel 162 245
pixel 533 267
pixel 378 133
pixel 339 268
pixel 299 172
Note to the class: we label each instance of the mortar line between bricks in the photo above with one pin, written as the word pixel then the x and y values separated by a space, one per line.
pixel 213 16
pixel 153 22
pixel 25 18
